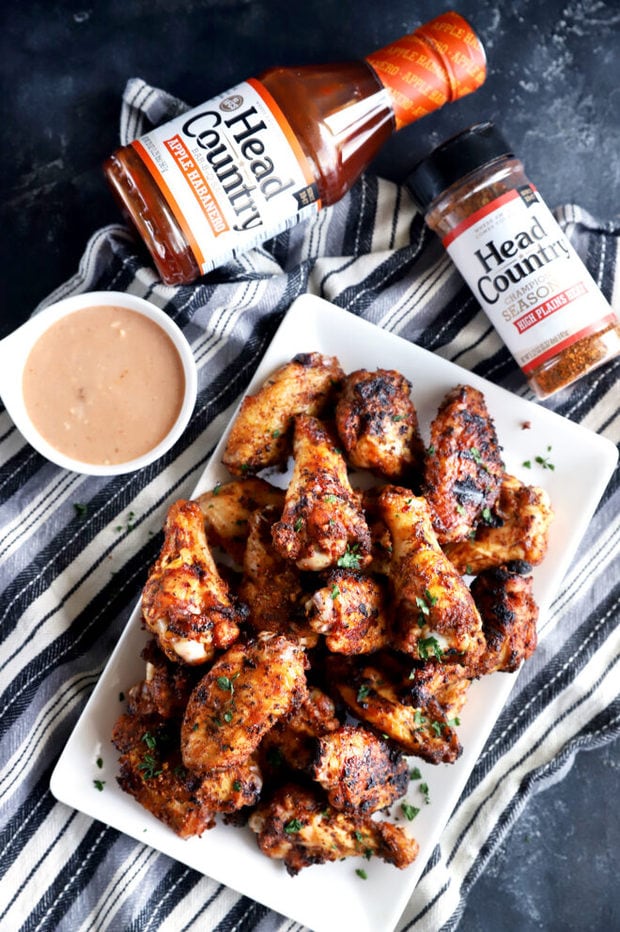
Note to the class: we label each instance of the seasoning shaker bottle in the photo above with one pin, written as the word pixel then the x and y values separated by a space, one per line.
pixel 246 165
pixel 515 258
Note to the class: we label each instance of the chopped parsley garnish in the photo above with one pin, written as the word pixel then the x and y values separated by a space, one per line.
pixel 149 767
pixel 99 784
pixel 292 826
pixel 100 762
pixel 543 461
pixel 81 509
pixel 331 499
pixel 398 417
pixel 429 647
pixel 361 873
pixel 409 810
pixel 350 559
pixel 415 774
pixel 423 788
pixel 298 524
pixel 363 692
pixel 335 592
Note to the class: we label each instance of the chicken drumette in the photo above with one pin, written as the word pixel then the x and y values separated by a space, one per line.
pixel 185 603
pixel 227 509
pixel 322 514
pixel 434 614
pixel 351 611
pixel 509 615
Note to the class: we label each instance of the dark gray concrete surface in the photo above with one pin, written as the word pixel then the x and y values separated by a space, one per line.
pixel 553 87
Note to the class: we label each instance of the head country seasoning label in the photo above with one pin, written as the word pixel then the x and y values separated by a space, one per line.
pixel 517 261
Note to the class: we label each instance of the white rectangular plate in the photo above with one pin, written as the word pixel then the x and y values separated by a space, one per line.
pixel 332 897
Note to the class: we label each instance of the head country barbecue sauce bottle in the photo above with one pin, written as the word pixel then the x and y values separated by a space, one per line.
pixel 246 165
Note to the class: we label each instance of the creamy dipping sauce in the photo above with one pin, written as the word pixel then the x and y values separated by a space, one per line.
pixel 104 385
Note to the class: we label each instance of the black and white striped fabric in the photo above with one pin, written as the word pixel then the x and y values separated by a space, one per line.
pixel 70 577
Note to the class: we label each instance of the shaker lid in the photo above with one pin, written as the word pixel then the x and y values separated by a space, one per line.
pixel 453 159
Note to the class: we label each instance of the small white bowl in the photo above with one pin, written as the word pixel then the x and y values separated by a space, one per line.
pixel 15 349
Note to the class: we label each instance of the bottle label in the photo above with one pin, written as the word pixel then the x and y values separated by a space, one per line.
pixel 527 277
pixel 232 173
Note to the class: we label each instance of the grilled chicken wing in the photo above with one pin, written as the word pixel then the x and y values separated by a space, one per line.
pixel 463 467
pixel 509 616
pixel 418 724
pixel 151 770
pixel 351 611
pixel 227 509
pixel 377 423
pixel 322 514
pixel 244 693
pixel 300 828
pixel 434 612
pixel 185 602
pixel 359 771
pixel 518 530
pixel 271 585
pixel 261 433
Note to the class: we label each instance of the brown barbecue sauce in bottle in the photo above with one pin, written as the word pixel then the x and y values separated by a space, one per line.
pixel 246 165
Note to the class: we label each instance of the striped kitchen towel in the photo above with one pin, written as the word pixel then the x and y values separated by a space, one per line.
pixel 63 605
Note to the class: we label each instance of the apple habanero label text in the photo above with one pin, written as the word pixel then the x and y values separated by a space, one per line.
pixel 232 173
pixel 527 276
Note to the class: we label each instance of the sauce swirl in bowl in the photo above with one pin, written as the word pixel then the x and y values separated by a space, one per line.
pixel 101 383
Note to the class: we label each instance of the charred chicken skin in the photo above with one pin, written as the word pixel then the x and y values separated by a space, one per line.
pixel 185 603
pixel 434 612
pixel 463 467
pixel 292 740
pixel 360 771
pixel 378 425
pixel 517 529
pixel 227 509
pixel 235 704
pixel 261 432
pixel 300 828
pixel 509 617
pixel 322 514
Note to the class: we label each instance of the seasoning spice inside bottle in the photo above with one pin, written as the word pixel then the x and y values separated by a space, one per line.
pixel 515 258
pixel 248 164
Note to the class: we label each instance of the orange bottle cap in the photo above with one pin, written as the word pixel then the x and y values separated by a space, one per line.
pixel 438 63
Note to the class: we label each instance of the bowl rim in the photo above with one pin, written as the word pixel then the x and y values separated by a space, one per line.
pixel 14 351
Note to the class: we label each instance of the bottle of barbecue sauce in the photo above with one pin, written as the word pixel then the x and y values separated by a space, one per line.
pixel 241 168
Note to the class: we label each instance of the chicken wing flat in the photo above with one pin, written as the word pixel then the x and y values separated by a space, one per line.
pixel 271 585
pixel 518 530
pixel 351 611
pixel 509 616
pixel 322 515
pixel 152 771
pixel 185 602
pixel 434 612
pixel 227 509
pixel 359 771
pixel 241 697
pixel 378 425
pixel 463 467
pixel 298 827
pixel 372 696
pixel 261 432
